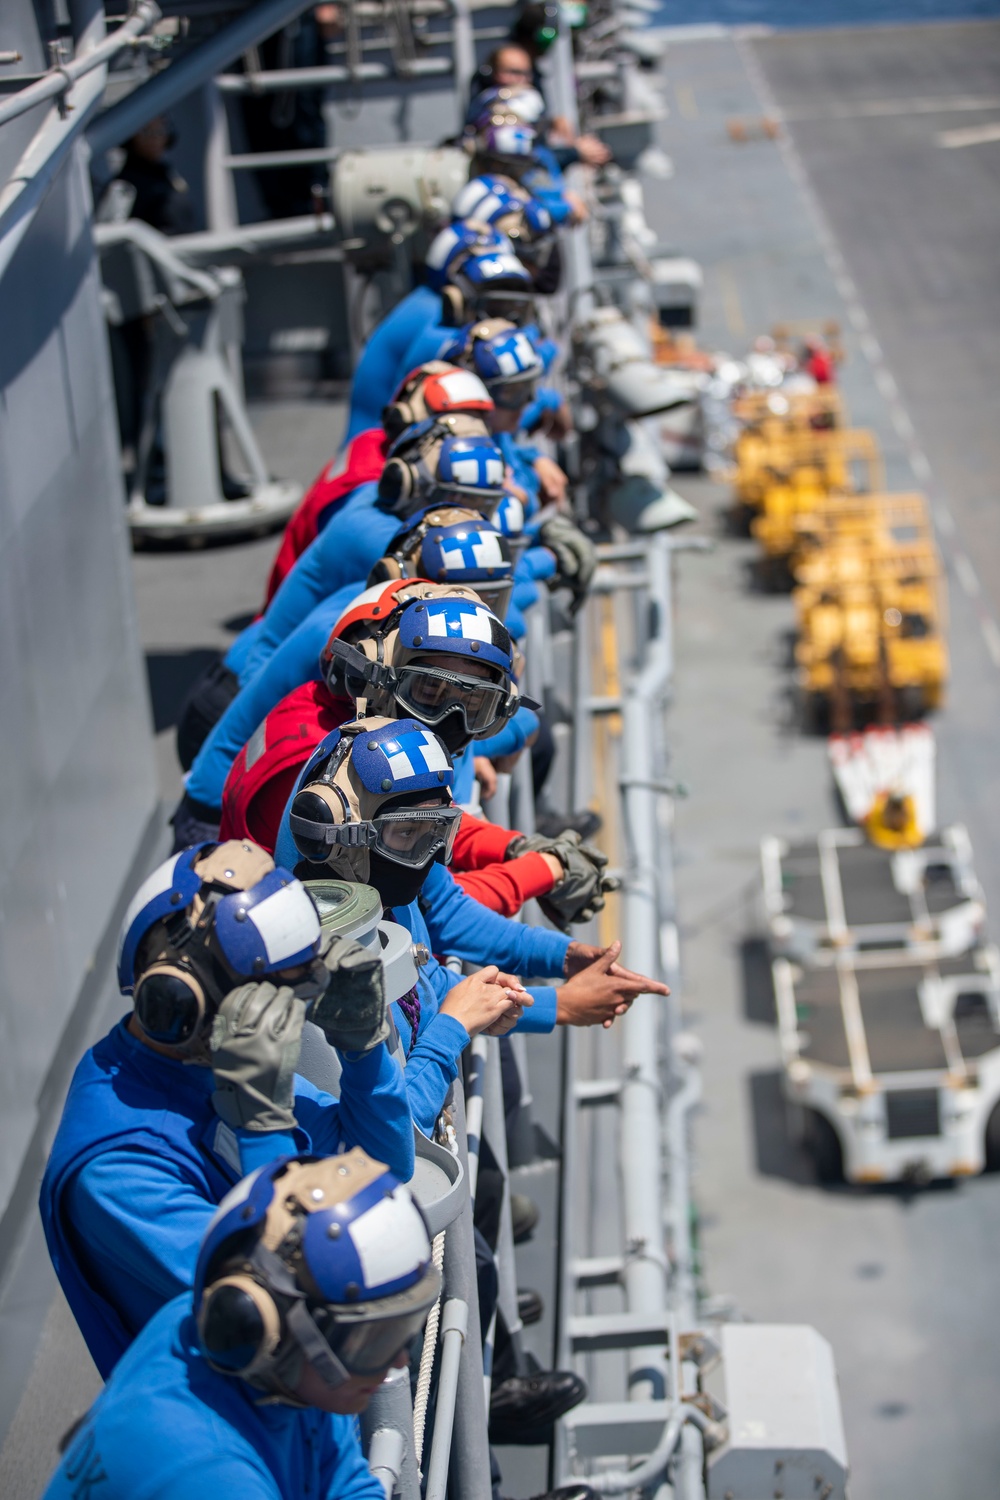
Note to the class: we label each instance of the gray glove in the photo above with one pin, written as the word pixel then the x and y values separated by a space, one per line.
pixel 580 894
pixel 352 1011
pixel 575 554
pixel 255 1042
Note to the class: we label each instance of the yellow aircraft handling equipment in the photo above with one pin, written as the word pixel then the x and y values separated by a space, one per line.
pixel 876 643
pixel 842 461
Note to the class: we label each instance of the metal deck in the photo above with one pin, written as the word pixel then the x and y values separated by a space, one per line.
pixel 901 1285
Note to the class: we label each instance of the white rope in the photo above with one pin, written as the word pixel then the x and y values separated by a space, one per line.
pixel 427 1354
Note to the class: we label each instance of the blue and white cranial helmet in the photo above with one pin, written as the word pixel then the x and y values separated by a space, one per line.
pixel 457 626
pixel 508 142
pixel 503 356
pixel 347 1287
pixel 494 200
pixel 472 466
pixel 400 757
pixel 509 516
pixel 524 105
pixel 376 786
pixel 455 244
pixel 262 919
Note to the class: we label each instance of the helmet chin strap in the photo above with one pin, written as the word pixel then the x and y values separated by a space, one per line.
pixel 306 1344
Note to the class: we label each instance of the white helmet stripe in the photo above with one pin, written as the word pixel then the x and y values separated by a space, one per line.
pixel 435 756
pixel 154 885
pixel 463 386
pixel 390 1240
pixel 400 765
pixel 286 921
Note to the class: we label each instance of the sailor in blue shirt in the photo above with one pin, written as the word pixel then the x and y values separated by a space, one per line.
pixel 469 275
pixel 199 1084
pixel 373 805
pixel 463 548
pixel 252 1388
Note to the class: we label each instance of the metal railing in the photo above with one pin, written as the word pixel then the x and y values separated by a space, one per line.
pixel 653 1086
pixel 59 80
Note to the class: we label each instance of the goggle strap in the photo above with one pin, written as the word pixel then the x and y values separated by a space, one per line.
pixel 347 835
pixel 373 672
pixel 278 1278
pixel 314 1346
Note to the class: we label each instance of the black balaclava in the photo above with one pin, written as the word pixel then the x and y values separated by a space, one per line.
pixel 397 885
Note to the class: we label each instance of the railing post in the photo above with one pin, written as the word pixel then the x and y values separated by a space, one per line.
pixel 470 1455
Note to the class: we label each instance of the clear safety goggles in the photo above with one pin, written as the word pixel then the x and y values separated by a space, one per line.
pixel 367 1342
pixel 430 693
pixel 495 594
pixel 516 307
pixel 513 395
pixel 410 836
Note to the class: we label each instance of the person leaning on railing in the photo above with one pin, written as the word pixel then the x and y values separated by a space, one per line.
pixel 220 954
pixel 313 1281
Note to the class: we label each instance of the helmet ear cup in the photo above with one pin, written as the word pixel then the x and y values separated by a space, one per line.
pixel 239 1325
pixel 169 1005
pixel 386 570
pixel 453 307
pixel 396 417
pixel 396 486
pixel 315 805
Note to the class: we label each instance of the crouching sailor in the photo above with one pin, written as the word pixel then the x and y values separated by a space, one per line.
pixel 313 1281
pixel 197 1086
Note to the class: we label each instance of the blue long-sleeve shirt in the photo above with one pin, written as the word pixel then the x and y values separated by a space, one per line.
pixel 294 661
pixel 345 550
pixel 169 1427
pixel 512 737
pixel 461 926
pixel 141 1160
pixel 409 336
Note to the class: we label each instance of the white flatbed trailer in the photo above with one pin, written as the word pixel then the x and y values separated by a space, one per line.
pixel 835 892
pixel 892 1064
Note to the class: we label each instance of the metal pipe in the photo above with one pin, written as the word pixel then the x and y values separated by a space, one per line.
pixel 385 1458
pixel 645 1274
pixel 189 72
pixel 478 1052
pixel 495 1131
pixel 387 1428
pixel 454 1326
pixel 252 161
pixel 470 1458
pixel 60 80
pixel 463 51
pixel 281 80
pixel 652 1469
pixel 248 239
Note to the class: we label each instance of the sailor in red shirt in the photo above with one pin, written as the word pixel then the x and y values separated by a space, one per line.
pixel 366 670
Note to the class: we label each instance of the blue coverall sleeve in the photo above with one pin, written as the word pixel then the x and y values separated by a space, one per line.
pixel 374 1112
pixel 524 594
pixel 545 400
pixel 295 661
pixel 344 550
pixel 139 1220
pixel 540 1018
pixel 235 657
pixel 375 379
pixel 512 737
pixel 517 628
pixel 461 926
pixel 432 1067
pixel 538 562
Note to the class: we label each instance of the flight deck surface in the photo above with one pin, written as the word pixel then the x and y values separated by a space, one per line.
pixel 902 1283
